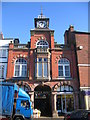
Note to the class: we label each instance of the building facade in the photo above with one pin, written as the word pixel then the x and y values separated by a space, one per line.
pixel 4 46
pixel 81 40
pixel 51 73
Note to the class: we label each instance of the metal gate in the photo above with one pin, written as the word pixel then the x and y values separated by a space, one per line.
pixel 42 102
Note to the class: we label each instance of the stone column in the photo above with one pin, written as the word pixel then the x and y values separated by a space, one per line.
pixel 49 66
pixel 86 102
pixel 55 113
pixel 76 101
pixel 32 99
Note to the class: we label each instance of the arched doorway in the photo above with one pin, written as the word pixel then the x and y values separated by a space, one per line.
pixel 42 100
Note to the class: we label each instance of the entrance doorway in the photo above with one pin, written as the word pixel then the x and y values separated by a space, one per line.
pixel 42 100
pixel 65 103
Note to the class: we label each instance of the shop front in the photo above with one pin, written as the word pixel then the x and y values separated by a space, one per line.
pixel 65 103
pixel 65 99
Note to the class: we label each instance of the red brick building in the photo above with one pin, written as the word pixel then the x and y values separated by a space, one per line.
pixel 52 74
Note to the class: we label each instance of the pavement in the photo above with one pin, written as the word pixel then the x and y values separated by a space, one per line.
pixel 49 118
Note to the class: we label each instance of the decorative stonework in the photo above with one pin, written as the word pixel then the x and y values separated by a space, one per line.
pixel 58 57
pixel 62 83
pixel 52 33
pixel 32 33
pixel 19 56
pixel 40 38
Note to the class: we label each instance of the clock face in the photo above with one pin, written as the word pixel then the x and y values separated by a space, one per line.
pixel 41 24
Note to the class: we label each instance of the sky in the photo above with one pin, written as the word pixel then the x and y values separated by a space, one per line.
pixel 18 18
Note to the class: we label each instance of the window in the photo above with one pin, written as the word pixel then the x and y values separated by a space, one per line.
pixel 20 68
pixel 63 68
pixel 25 104
pixel 65 88
pixel 42 45
pixel 41 67
pixel 1 71
pixel 3 52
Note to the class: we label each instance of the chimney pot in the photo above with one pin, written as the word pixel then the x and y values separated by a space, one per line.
pixel 71 28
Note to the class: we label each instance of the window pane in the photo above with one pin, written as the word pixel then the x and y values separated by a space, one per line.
pixel 2 71
pixel 21 61
pixel 24 70
pixel 45 59
pixel 62 88
pixel 17 70
pixel 60 70
pixel 42 43
pixel 66 88
pixel 0 53
pixel 63 61
pixel 39 59
pixel 3 53
pixel 71 89
pixel 45 69
pixel 67 72
pixel 40 69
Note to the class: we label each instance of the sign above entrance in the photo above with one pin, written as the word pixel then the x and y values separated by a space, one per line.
pixel 41 95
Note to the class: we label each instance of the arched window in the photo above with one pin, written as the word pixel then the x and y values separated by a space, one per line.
pixel 20 68
pixel 65 88
pixel 64 68
pixel 42 44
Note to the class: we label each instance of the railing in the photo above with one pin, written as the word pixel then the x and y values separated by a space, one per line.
pixel 42 50
pixel 21 46
pixel 62 46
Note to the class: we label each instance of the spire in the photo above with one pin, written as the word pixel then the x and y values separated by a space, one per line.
pixel 41 15
pixel 41 12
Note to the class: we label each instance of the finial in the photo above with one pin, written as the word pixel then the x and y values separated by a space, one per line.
pixel 41 12
pixel 41 15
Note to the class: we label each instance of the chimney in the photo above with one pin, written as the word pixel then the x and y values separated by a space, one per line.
pixel 16 41
pixel 71 28
pixel 1 36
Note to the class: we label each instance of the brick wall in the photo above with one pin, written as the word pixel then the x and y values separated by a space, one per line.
pixel 83 58
pixel 42 35
pixel 57 55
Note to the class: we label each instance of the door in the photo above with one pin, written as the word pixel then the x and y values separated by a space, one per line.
pixel 23 108
pixel 64 110
pixel 42 100
pixel 65 103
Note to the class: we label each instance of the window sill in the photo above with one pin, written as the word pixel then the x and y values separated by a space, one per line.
pixel 20 78
pixel 42 78
pixel 63 78
pixel 1 78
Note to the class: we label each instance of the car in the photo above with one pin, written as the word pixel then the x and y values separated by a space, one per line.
pixel 78 115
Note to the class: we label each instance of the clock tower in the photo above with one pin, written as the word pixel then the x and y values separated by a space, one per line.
pixel 41 22
pixel 41 32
